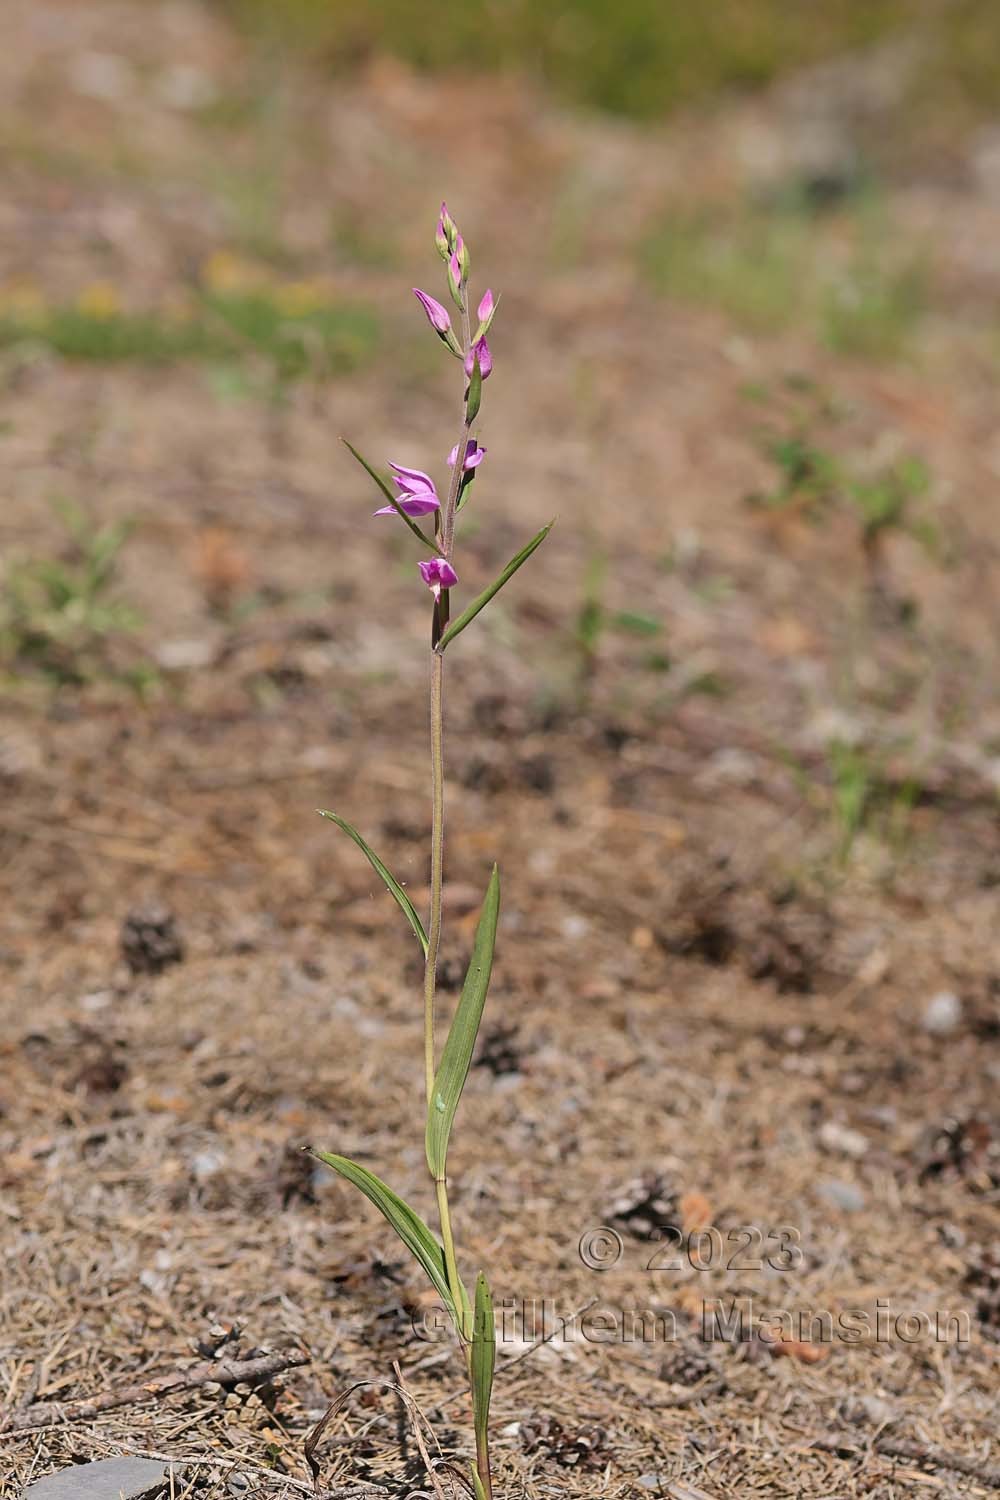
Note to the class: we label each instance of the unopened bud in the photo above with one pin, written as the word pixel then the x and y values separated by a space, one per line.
pixel 486 312
pixel 455 281
pixel 479 355
pixel 447 228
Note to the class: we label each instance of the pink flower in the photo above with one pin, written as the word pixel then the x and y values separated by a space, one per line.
pixel 438 574
pixel 417 495
pixel 474 456
pixel 485 308
pixel 480 349
pixel 437 316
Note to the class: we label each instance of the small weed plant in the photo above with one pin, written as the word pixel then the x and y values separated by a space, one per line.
pixel 62 615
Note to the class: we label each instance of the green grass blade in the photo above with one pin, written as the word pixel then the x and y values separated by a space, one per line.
pixel 468 615
pixel 392 885
pixel 454 1066
pixel 408 1224
pixel 484 1354
pixel 387 492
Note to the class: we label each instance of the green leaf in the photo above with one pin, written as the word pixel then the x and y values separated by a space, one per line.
pixel 637 624
pixel 468 615
pixel 474 399
pixel 392 885
pixel 387 492
pixel 408 1224
pixel 484 1354
pixel 454 1066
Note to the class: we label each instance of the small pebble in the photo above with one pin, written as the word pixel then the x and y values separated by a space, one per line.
pixel 205 1164
pixel 843 1195
pixel 942 1014
pixel 842 1140
pixel 180 656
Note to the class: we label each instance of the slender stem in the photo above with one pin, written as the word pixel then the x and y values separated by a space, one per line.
pixel 483 1464
pixel 437 865
pixel 450 1259
pixel 447 540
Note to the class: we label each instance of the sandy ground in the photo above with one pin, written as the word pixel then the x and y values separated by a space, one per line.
pixel 706 1013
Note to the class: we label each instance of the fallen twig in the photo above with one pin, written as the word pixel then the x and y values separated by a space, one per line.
pixel 224 1372
pixel 924 1453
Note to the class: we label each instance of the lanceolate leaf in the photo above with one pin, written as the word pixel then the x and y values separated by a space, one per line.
pixel 392 885
pixel 410 1227
pixel 474 399
pixel 484 1353
pixel 387 492
pixel 457 1055
pixel 468 615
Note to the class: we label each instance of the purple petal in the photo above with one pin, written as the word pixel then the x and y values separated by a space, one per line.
pixel 411 505
pixel 413 479
pixel 485 308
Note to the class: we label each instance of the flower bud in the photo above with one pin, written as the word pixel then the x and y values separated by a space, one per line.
pixel 440 320
pixel 479 353
pixel 486 311
pixel 448 229
pixel 455 281
pixel 437 316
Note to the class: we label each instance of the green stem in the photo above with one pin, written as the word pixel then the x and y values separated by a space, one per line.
pixel 483 1465
pixel 450 1260
pixel 437 866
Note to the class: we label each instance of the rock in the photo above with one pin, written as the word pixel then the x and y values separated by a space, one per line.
pixel 843 1195
pixel 841 1140
pixel 942 1014
pixel 185 655
pixel 108 1479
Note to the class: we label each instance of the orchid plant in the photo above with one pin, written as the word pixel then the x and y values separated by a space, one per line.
pixel 414 499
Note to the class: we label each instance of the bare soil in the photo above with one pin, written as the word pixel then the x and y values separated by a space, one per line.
pixel 707 1011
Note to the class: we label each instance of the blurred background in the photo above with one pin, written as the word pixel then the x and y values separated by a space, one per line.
pixel 733 732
